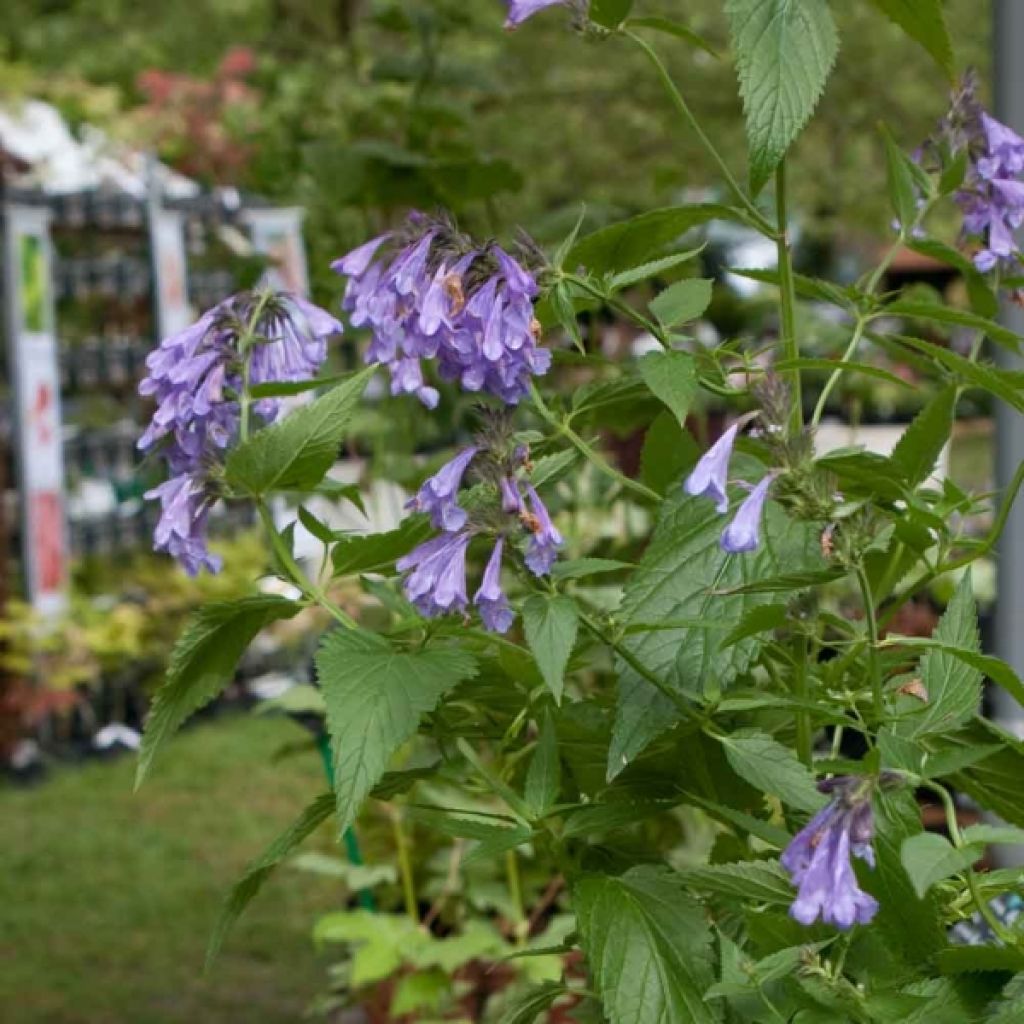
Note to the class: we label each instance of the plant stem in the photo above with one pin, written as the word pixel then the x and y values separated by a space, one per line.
pixel 515 891
pixel 874 669
pixel 803 717
pixel 833 380
pixel 596 458
pixel 311 591
pixel 404 865
pixel 787 295
pixel 638 666
pixel 972 882
pixel 754 216
pixel 614 302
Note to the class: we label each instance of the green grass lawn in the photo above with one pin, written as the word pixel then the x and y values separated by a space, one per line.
pixel 107 897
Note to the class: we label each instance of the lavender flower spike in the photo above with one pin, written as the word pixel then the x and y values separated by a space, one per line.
pixel 520 10
pixel 181 531
pixel 543 547
pixel 710 475
pixel 744 532
pixel 436 581
pixel 818 859
pixel 490 599
pixel 438 495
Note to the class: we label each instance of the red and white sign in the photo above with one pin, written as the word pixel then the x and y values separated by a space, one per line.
pixel 32 357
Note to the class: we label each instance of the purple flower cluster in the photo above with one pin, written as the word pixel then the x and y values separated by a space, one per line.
pixel 427 294
pixel 710 478
pixel 435 579
pixel 819 858
pixel 992 198
pixel 195 377
pixel 992 195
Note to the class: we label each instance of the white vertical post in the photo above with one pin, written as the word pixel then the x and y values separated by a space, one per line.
pixel 35 380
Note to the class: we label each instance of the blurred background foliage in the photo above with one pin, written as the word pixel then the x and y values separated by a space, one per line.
pixel 359 108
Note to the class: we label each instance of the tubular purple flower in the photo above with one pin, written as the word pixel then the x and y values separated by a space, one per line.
pixel 438 495
pixel 520 10
pixel 414 299
pixel 195 378
pixel 744 532
pixel 819 860
pixel 511 500
pixel 181 530
pixel 542 548
pixel 490 599
pixel 710 476
pixel 436 580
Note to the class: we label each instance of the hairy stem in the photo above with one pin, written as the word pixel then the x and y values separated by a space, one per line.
pixel 874 669
pixel 592 456
pixel 787 294
pixel 754 216
pixel 310 590
pixel 972 882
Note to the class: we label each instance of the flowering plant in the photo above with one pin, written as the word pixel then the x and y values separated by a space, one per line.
pixel 739 662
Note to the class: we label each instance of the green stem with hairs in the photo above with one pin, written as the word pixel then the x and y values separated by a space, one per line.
pixel 592 456
pixel 753 215
pixel 874 669
pixel 787 297
pixel 972 881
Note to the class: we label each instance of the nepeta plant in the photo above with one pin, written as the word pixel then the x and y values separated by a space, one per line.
pixel 739 659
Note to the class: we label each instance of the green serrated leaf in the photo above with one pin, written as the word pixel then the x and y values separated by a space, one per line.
pixel 952 683
pixel 652 269
pixel 580 568
pixel 203 662
pixel 672 377
pixel 529 1006
pixel 377 552
pixel 925 22
pixel 929 858
pixel 969 959
pixel 758 881
pixel 597 819
pixel 648 945
pixel 679 581
pixel 937 313
pixel 295 453
pixel 260 869
pixel 784 51
pixel 668 452
pixel 551 624
pixel 682 302
pixel 544 777
pixel 917 451
pixel 375 696
pixel 772 768
pixel 902 183
pixel 630 242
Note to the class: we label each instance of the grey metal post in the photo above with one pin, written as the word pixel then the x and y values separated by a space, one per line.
pixel 1008 41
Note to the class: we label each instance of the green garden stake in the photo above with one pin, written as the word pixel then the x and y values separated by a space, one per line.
pixel 355 856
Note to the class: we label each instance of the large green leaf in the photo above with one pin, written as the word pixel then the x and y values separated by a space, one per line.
pixel 375 696
pixel 672 377
pixel 682 302
pixel 630 242
pixel 940 314
pixel 260 869
pixel 610 13
pixel 529 1006
pixel 784 51
pixel 648 945
pixel 550 624
pixel 296 452
pixel 680 582
pixel 919 448
pixel 929 858
pixel 924 21
pixel 544 777
pixel 758 881
pixel 203 662
pixel 952 683
pixel 907 921
pixel 376 552
pixel 772 768
pixel 996 780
